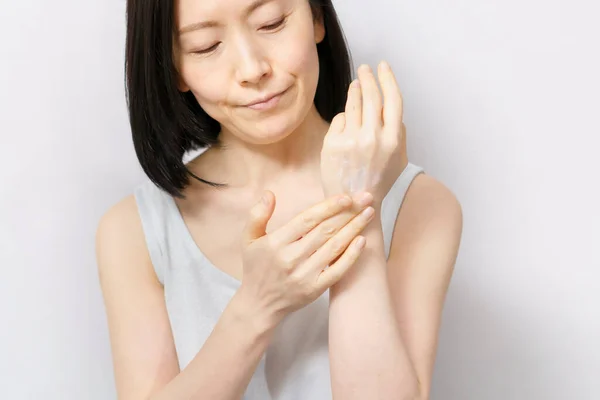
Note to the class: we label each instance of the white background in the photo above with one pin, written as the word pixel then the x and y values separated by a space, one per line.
pixel 502 104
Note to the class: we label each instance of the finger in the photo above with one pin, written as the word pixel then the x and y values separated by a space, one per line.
pixel 354 105
pixel 338 123
pixel 309 219
pixel 403 141
pixel 260 214
pixel 311 242
pixel 338 244
pixel 372 103
pixel 332 274
pixel 393 103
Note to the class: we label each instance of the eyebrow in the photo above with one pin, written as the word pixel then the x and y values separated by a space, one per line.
pixel 211 24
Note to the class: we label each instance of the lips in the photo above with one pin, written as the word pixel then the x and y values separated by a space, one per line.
pixel 264 99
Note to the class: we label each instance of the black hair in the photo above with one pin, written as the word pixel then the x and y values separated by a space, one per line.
pixel 166 123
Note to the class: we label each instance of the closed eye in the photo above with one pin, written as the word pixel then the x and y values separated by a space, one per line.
pixel 274 26
pixel 205 51
pixel 271 27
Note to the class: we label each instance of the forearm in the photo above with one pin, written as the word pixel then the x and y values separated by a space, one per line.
pixel 367 356
pixel 223 367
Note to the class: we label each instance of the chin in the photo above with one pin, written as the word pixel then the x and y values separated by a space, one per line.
pixel 270 130
pixel 274 128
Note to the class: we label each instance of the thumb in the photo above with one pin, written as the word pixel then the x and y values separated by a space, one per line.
pixel 260 214
pixel 338 123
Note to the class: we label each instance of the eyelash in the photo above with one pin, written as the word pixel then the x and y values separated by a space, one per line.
pixel 276 25
pixel 271 27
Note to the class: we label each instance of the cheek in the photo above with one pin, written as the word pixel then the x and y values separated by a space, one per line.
pixel 209 89
pixel 301 59
pixel 208 86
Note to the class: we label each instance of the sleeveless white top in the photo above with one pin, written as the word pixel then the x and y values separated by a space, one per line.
pixel 296 363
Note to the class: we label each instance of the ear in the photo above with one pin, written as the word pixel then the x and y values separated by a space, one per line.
pixel 319 26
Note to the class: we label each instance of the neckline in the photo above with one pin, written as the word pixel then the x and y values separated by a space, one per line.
pixel 191 243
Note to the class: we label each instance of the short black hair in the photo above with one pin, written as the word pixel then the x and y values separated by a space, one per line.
pixel 166 123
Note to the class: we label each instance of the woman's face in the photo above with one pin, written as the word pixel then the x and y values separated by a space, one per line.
pixel 231 53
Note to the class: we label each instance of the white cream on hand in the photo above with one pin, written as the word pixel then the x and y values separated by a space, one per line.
pixel 356 178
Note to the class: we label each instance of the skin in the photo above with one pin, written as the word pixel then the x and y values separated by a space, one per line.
pixel 363 148
pixel 248 63
pixel 272 153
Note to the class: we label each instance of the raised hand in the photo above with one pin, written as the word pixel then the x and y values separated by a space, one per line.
pixel 362 149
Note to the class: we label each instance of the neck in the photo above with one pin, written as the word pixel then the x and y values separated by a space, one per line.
pixel 240 164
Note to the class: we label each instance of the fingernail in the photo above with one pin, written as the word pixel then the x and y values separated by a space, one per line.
pixel 356 83
pixel 368 213
pixel 385 65
pixel 360 242
pixel 265 200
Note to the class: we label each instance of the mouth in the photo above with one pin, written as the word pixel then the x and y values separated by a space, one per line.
pixel 266 102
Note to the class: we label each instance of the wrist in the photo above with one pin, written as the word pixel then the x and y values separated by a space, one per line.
pixel 375 226
pixel 373 232
pixel 251 316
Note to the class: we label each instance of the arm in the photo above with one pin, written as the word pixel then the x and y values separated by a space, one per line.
pixel 384 316
pixel 144 356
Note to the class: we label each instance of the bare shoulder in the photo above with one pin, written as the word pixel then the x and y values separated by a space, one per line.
pixel 429 198
pixel 430 211
pixel 120 242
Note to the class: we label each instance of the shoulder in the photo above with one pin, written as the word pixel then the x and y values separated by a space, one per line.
pixel 120 241
pixel 120 219
pixel 430 218
pixel 429 200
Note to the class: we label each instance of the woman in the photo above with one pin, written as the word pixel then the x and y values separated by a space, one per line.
pixel 332 285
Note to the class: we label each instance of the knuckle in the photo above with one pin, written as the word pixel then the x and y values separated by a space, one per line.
pixel 286 261
pixel 328 231
pixel 358 224
pixel 308 221
pixel 337 246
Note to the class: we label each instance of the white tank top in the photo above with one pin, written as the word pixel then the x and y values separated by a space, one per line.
pixel 296 363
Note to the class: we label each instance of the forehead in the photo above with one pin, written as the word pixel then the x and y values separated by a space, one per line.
pixel 185 9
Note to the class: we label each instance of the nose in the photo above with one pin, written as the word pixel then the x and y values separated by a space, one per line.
pixel 251 63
